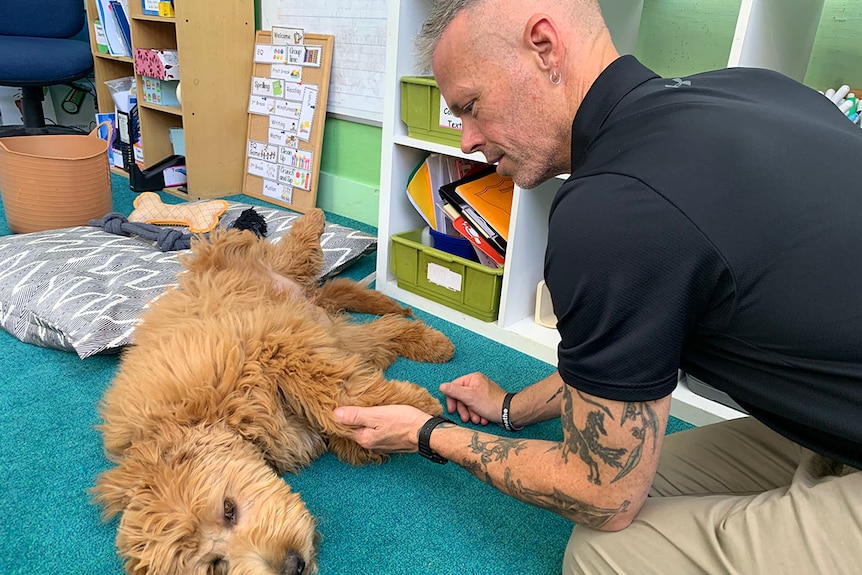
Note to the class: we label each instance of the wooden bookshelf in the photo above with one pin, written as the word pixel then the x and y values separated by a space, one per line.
pixel 215 43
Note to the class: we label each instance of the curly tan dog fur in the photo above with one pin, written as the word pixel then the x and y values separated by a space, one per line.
pixel 231 382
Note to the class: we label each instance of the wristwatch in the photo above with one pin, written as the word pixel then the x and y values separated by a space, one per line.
pixel 425 436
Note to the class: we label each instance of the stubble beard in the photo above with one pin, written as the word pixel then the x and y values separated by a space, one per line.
pixel 527 175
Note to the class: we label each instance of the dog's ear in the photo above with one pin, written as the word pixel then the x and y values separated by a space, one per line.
pixel 115 487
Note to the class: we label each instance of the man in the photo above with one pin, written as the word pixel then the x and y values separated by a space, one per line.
pixel 711 223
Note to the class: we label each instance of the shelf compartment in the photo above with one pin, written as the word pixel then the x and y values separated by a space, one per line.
pixel 111 58
pixel 421 111
pixel 156 138
pixel 109 68
pixel 160 34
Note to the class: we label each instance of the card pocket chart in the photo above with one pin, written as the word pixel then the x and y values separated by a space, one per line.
pixel 289 88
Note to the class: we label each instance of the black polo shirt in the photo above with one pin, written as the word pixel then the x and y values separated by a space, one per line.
pixel 714 223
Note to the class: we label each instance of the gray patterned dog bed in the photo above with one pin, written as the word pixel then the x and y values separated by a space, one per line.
pixel 82 289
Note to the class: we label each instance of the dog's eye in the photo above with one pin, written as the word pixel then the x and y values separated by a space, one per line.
pixel 230 511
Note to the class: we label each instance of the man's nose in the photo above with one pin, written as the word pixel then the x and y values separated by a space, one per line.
pixel 471 137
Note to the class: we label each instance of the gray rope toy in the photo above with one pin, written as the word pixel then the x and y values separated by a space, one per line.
pixel 170 239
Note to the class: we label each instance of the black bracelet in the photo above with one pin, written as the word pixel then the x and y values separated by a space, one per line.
pixel 504 416
pixel 425 436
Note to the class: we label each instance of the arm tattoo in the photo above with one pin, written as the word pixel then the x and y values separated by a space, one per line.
pixel 585 399
pixel 556 394
pixel 574 509
pixel 498 450
pixel 587 442
pixel 648 425
pixel 648 421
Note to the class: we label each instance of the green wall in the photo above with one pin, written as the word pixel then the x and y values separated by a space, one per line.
pixel 349 182
pixel 837 49
pixel 681 37
pixel 677 37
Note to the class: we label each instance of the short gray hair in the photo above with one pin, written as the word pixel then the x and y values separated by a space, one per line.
pixel 439 17
pixel 587 14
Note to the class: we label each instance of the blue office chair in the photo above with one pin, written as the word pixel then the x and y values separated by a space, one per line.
pixel 39 48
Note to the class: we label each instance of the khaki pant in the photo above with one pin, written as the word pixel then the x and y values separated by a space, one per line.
pixel 734 498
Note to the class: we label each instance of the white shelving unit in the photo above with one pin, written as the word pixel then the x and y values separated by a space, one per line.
pixel 777 34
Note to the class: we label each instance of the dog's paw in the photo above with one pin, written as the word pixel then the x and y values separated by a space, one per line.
pixel 427 403
pixel 435 347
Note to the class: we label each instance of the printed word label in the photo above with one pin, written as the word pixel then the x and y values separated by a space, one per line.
pixel 447 118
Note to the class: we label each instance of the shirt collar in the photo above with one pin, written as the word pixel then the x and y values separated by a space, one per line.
pixel 621 77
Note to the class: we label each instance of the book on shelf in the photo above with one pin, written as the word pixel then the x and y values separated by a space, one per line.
pixel 121 12
pixel 110 21
pixel 489 204
pixel 488 194
pixel 426 180
pixel 488 254
pixel 462 197
pixel 480 227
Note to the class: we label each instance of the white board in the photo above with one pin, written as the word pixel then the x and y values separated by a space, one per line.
pixel 359 60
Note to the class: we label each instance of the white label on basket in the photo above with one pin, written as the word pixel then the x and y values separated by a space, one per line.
pixel 447 118
pixel 443 276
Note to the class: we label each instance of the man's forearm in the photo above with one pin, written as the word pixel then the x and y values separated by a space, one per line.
pixel 538 402
pixel 529 470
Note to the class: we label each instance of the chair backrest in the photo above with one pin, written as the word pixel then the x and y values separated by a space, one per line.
pixel 41 18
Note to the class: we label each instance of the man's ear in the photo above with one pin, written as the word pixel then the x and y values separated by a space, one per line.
pixel 542 38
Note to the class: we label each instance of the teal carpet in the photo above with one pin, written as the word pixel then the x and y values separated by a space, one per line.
pixel 408 516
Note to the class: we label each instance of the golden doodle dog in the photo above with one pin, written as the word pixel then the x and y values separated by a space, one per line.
pixel 231 381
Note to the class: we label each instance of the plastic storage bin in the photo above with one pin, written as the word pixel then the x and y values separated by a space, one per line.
pixel 466 286
pixel 420 110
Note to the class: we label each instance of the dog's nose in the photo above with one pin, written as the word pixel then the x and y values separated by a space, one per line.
pixel 294 564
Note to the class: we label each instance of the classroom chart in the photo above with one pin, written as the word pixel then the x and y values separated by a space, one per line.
pixel 287 111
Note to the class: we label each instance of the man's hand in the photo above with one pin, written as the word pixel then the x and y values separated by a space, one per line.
pixel 385 428
pixel 475 397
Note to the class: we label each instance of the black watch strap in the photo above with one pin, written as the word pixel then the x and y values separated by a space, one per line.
pixel 425 436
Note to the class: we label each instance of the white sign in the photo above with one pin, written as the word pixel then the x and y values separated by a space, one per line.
pixel 278 191
pixel 447 118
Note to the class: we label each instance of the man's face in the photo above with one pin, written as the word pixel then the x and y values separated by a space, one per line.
pixel 500 102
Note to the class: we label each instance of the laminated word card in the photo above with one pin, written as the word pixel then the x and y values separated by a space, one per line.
pixel 286 113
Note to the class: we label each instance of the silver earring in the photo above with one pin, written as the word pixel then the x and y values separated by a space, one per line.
pixel 555 78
